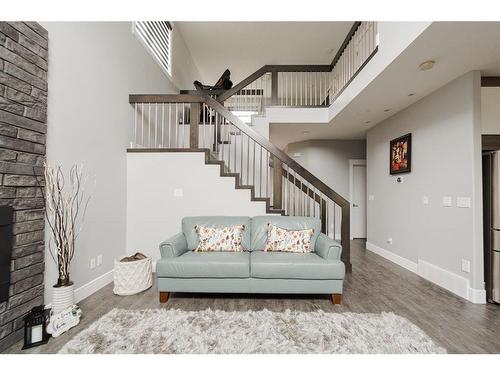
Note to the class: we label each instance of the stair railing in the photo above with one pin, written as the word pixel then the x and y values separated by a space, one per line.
pixel 361 46
pixel 201 123
pixel 305 85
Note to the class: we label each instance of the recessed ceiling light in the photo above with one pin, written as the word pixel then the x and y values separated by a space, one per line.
pixel 306 132
pixel 368 122
pixel 387 110
pixel 427 65
pixel 411 94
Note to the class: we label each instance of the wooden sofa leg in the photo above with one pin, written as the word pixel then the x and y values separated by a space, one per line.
pixel 164 297
pixel 336 299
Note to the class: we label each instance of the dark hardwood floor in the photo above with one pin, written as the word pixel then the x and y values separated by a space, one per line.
pixel 375 285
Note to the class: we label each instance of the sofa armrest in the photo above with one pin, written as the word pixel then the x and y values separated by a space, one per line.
pixel 174 246
pixel 327 248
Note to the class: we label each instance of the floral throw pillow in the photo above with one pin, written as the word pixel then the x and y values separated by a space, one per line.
pixel 219 239
pixel 293 241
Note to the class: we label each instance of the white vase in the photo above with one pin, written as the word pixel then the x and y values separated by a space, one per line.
pixel 62 297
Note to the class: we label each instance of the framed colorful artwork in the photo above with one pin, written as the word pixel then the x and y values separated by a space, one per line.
pixel 400 155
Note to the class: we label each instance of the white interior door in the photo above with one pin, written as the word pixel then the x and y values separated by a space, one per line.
pixel 358 202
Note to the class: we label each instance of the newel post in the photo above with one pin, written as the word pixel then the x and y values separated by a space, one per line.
pixel 274 87
pixel 194 118
pixel 277 182
pixel 345 236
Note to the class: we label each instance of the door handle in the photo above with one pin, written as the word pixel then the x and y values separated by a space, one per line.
pixel 355 205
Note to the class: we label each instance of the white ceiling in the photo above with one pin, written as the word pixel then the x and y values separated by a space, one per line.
pixel 244 47
pixel 457 48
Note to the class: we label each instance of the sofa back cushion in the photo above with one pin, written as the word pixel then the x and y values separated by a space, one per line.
pixel 219 239
pixel 259 228
pixel 192 239
pixel 292 241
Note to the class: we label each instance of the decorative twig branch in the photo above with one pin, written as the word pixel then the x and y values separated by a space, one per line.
pixel 64 215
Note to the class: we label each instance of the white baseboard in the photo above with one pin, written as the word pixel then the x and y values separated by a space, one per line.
pixel 445 279
pixel 477 295
pixel 399 260
pixel 93 286
pixel 448 280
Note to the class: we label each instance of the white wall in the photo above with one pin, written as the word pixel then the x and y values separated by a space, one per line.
pixel 184 70
pixel 490 110
pixel 261 126
pixel 154 213
pixel 93 68
pixel 431 239
pixel 329 160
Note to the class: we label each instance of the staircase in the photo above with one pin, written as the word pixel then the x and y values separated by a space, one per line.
pixel 199 123
pixel 211 122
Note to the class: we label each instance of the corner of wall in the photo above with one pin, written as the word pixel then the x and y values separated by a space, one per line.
pixel 477 186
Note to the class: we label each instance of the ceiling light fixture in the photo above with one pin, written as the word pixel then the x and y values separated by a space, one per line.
pixel 306 132
pixel 411 94
pixel 387 110
pixel 427 65
pixel 368 122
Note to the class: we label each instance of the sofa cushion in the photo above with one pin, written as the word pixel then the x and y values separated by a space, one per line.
pixel 219 239
pixel 205 264
pixel 290 241
pixel 276 265
pixel 259 228
pixel 189 223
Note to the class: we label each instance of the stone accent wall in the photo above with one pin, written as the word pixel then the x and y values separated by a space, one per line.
pixel 23 117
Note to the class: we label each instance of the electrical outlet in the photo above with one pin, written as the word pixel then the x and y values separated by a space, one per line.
pixel 463 202
pixel 178 192
pixel 425 200
pixel 465 265
pixel 447 202
pixel 92 263
pixel 99 260
pixel 371 197
pixel 389 241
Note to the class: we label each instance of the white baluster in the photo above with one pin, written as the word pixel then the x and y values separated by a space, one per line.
pixel 135 125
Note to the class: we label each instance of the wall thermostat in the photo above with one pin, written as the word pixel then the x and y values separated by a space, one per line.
pixel 400 179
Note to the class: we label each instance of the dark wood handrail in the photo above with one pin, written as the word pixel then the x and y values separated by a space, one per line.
pixel 258 138
pixel 161 98
pixel 271 69
pixel 275 151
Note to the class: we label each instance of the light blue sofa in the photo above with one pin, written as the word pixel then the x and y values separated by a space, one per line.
pixel 253 271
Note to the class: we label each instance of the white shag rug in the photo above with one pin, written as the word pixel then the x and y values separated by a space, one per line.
pixel 238 332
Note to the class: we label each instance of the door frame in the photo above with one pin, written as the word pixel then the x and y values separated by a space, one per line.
pixel 352 163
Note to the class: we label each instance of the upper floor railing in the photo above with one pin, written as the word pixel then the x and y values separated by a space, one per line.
pixel 362 44
pixel 304 85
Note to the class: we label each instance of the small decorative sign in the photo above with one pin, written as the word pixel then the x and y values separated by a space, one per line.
pixel 400 155
pixel 64 320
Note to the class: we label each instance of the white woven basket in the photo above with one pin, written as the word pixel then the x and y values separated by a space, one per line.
pixel 132 277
